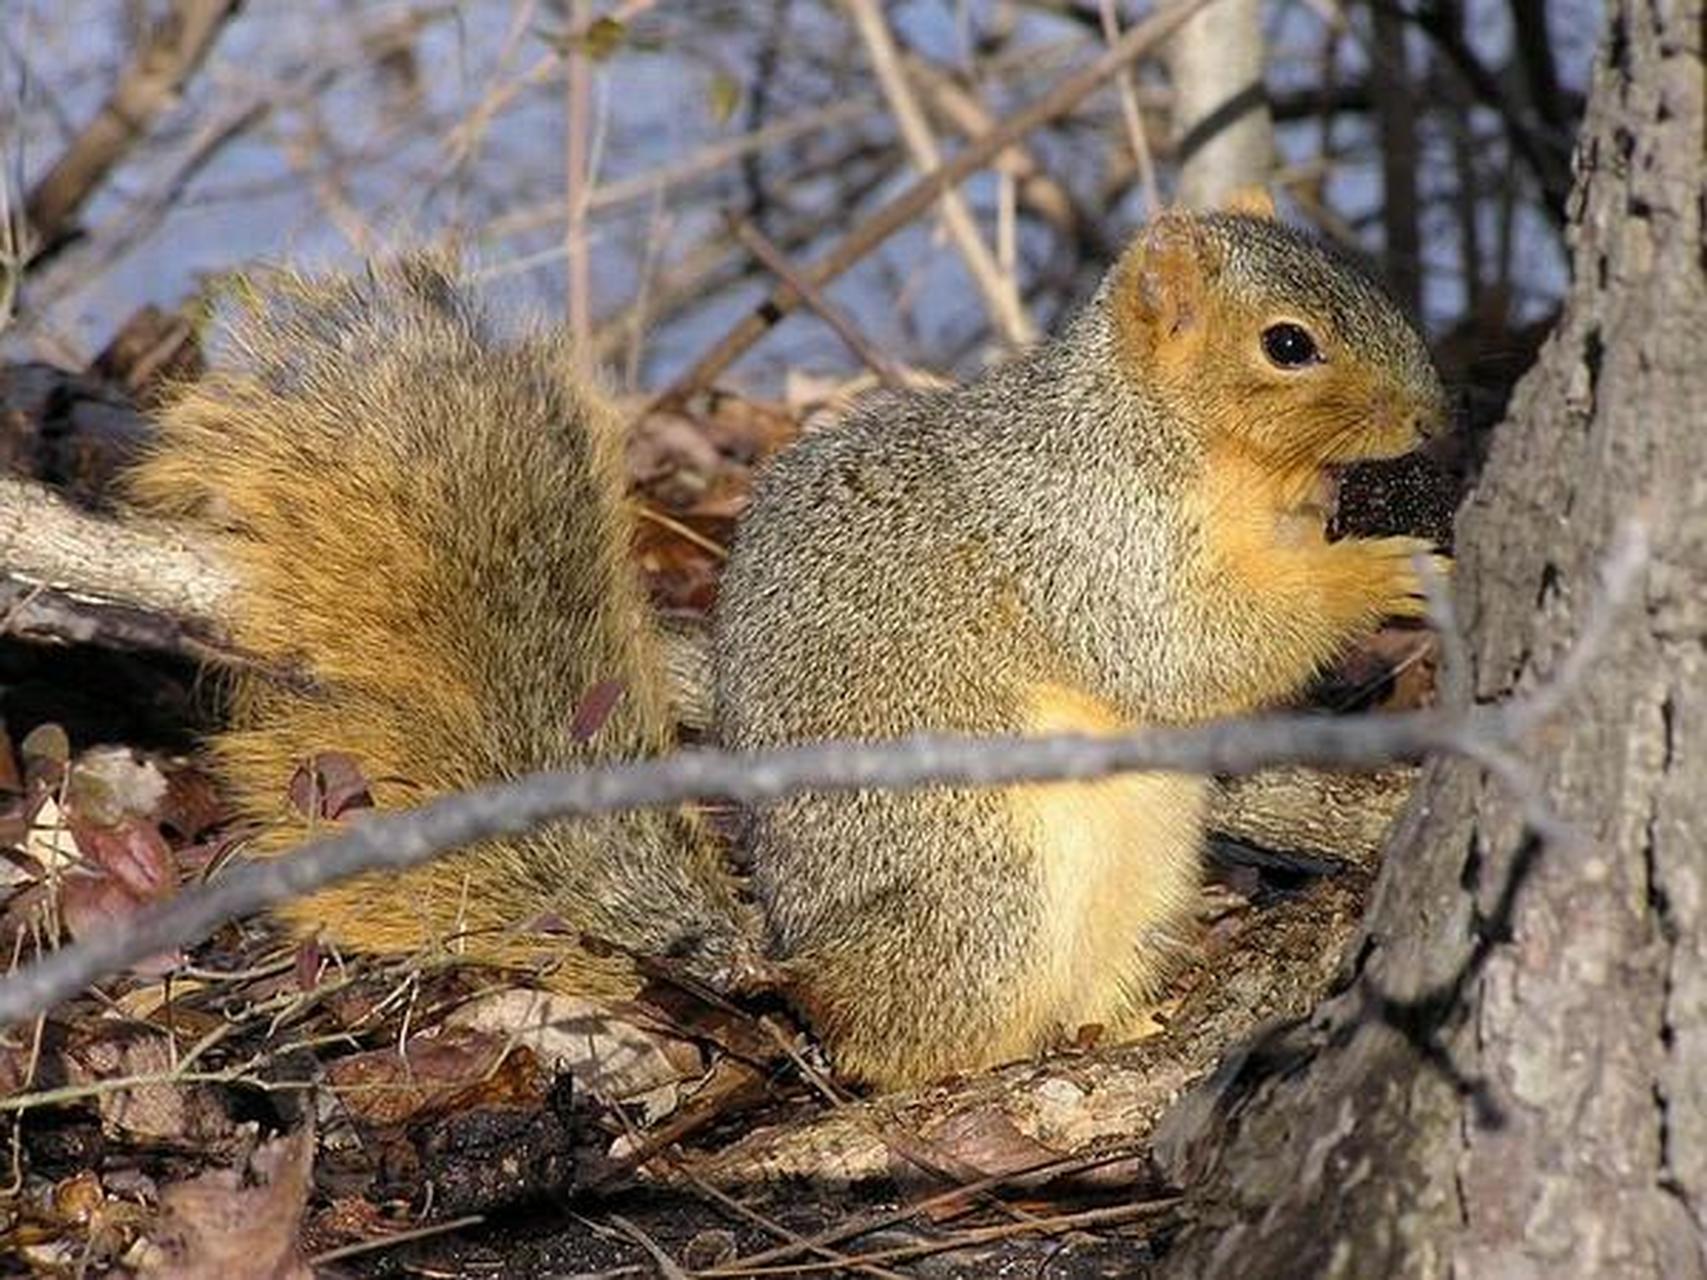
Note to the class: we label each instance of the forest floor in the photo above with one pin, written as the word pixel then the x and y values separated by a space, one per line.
pixel 264 1106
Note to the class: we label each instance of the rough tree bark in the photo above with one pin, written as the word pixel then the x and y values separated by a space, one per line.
pixel 1510 1081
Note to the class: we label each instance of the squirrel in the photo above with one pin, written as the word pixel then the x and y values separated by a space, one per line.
pixel 1124 526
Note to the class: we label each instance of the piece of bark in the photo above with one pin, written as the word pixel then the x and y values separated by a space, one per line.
pixel 44 539
pixel 1314 811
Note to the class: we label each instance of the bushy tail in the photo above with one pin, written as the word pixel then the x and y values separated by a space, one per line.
pixel 430 519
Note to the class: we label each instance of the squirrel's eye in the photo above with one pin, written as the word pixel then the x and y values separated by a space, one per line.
pixel 1289 345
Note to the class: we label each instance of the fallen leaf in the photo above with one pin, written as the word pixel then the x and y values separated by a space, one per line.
pixel 228 1223
pixel 157 1108
pixel 132 852
pixel 192 805
pixel 328 786
pixel 604 1054
pixel 11 775
pixel 450 1070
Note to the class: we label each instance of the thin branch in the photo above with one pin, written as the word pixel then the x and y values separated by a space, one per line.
pixel 774 261
pixel 702 164
pixel 1001 296
pixel 1130 113
pixel 900 211
pixel 396 841
pixel 578 174
pixel 965 112
pixel 166 60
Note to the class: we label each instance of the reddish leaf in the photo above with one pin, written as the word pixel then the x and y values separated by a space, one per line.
pixel 308 959
pixel 595 708
pixel 11 776
pixel 192 803
pixel 96 904
pixel 328 786
pixel 133 852
pixel 436 1074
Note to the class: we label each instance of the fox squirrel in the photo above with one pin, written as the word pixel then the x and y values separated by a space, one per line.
pixel 1124 526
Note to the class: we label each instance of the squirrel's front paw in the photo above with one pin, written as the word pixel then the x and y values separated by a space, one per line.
pixel 1400 589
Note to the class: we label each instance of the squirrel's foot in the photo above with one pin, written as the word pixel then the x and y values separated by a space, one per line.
pixel 1398 586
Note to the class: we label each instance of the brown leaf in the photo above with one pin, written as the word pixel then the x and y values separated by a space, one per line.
pixel 158 1109
pixel 328 786
pixel 192 804
pixel 451 1070
pixel 47 754
pixel 11 776
pixel 594 709
pixel 238 1222
pixel 132 852
pixel 307 964
pixel 124 868
pixel 347 1219
pixel 748 431
pixel 968 1145
pixel 77 1198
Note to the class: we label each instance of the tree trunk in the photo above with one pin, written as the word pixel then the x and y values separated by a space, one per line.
pixel 1222 128
pixel 1512 1080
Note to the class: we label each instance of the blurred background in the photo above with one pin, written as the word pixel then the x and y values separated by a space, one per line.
pixel 642 167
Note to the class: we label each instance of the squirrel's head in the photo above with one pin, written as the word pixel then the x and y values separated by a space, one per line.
pixel 1265 337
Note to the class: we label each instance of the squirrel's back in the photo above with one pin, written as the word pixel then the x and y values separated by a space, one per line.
pixel 429 520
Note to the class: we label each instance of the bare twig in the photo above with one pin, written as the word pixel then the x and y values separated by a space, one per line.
pixel 578 174
pixel 169 56
pixel 702 164
pixel 410 1236
pixel 1133 117
pixel 936 1204
pixel 755 242
pixel 394 841
pixel 966 113
pixel 668 1268
pixel 927 190
pixel 999 291
pixel 1057 1225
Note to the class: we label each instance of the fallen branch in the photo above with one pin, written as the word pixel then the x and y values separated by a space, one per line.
pixel 46 540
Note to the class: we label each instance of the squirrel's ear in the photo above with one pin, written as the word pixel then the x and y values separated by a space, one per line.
pixel 1169 273
pixel 1253 201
